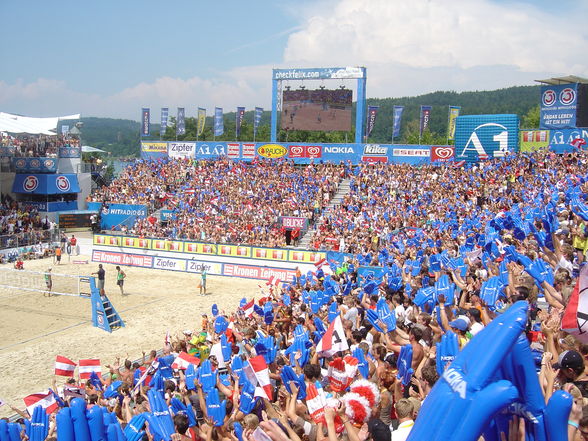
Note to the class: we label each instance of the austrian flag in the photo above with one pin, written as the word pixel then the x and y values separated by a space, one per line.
pixel 87 367
pixel 248 308
pixel 258 374
pixel 64 367
pixel 183 360
pixel 44 399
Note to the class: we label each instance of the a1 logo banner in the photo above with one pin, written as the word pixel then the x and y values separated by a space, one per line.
pixel 334 339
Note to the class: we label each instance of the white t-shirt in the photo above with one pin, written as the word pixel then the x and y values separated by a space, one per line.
pixel 476 327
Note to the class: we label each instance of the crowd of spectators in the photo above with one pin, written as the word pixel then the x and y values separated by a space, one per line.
pixel 32 146
pixel 223 201
pixel 458 252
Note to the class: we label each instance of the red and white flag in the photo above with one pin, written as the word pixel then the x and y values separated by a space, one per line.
pixel 334 339
pixel 45 399
pixel 575 318
pixel 86 367
pixel 258 374
pixel 315 402
pixel 183 360
pixel 167 341
pixel 248 308
pixel 320 263
pixel 64 366
pixel 273 281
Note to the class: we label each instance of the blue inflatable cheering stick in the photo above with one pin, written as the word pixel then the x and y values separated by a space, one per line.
pixel 447 350
pixel 404 363
pixel 39 425
pixel 160 422
pixel 216 409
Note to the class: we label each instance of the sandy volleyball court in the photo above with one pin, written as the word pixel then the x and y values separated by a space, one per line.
pixel 34 329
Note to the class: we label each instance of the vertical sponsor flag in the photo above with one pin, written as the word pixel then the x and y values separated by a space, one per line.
pixel 397 121
pixel 181 122
pixel 371 122
pixel 219 128
pixel 201 120
pixel 257 119
pixel 64 366
pixel 145 122
pixel 425 117
pixel 86 367
pixel 453 114
pixel 164 116
pixel 239 120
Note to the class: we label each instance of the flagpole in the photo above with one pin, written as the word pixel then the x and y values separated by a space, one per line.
pixel 448 120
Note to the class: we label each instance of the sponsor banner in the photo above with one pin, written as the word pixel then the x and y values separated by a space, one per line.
pixel 269 254
pixel 199 248
pixel 52 207
pixel 305 256
pixel 201 120
pixel 425 118
pixel 154 147
pixel 197 266
pixel 167 245
pixel 219 127
pixel 531 140
pixel 319 74
pixel 272 151
pixel 239 121
pixel 35 165
pixel 480 137
pixel 558 106
pixel 372 113
pixel 45 183
pixel 411 153
pixel 294 222
pixel 442 153
pixel 233 250
pixel 375 153
pixel 233 150
pixel 145 122
pixel 181 122
pixel 397 121
pixel 105 239
pixel 67 151
pixel 304 151
pixel 164 117
pixel 167 215
pixel 117 215
pixel 257 272
pixel 453 114
pixel 122 259
pixel 64 129
pixel 207 150
pixel 169 264
pixel 567 136
pixel 181 149
pixel 248 151
pixel 136 242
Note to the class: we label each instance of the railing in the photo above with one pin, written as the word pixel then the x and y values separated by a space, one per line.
pixel 29 238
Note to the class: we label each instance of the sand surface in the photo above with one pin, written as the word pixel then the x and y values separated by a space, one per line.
pixel 34 329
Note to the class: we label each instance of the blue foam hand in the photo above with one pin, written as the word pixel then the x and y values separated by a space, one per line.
pixel 362 365
pixel 226 348
pixel 96 381
pixel 4 431
pixel 370 287
pixel 80 421
pixel 546 271
pixel 288 375
pixel 157 382
pixel 404 363
pixel 385 315
pixel 314 302
pixel 237 368
pixel 225 379
pixel 165 369
pixel 65 430
pixel 373 318
pixel 14 431
pixel 191 376
pixel 434 263
pixel 465 398
pixel 423 295
pixel 503 273
pixel 95 416
pixel 268 317
pixel 320 326
pixel 220 324
pixel 242 302
pixel 333 311
pixel 287 301
pixel 206 376
pixel 445 288
pixel 579 208
pixel 135 429
pixel 214 310
pixel 258 310
pixel 215 408
pixel 491 291
pixel 238 429
pixel 39 427
pixel 447 350
pixel 114 432
pixel 159 419
pixel 178 407
pixel 112 390
pixel 247 399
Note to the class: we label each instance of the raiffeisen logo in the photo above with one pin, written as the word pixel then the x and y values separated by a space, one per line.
pixel 486 137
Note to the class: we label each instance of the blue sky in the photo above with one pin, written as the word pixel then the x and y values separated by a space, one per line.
pixel 110 58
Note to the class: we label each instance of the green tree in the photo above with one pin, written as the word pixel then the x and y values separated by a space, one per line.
pixel 532 118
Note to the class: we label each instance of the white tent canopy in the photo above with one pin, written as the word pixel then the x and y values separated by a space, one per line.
pixel 89 149
pixel 34 126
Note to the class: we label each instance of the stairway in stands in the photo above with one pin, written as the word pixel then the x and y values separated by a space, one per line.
pixel 342 191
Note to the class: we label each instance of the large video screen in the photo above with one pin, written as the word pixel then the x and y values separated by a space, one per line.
pixel 320 110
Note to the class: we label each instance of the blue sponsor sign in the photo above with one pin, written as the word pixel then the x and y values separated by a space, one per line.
pixel 319 74
pixel 479 137
pixel 45 184
pixel 35 165
pixel 219 127
pixel 558 106
pixel 145 122
pixel 397 121
pixel 67 151
pixel 167 215
pixel 53 206
pixel 567 136
pixel 117 215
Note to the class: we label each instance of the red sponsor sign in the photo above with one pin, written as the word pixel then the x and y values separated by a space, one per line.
pixel 143 243
pixel 278 254
pixel 192 247
pixel 305 151
pixel 297 255
pixel 528 136
pixel 374 159
pixel 225 249
pixel 248 150
pixel 100 239
pixel 261 253
pixel 159 244
pixel 242 251
pixel 296 151
pixel 233 150
pixel 114 241
pixel 122 259
pixel 175 246
pixel 442 153
pixel 314 151
pixel 207 249
pixel 541 136
pixel 129 241
pixel 257 272
pixel 293 222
